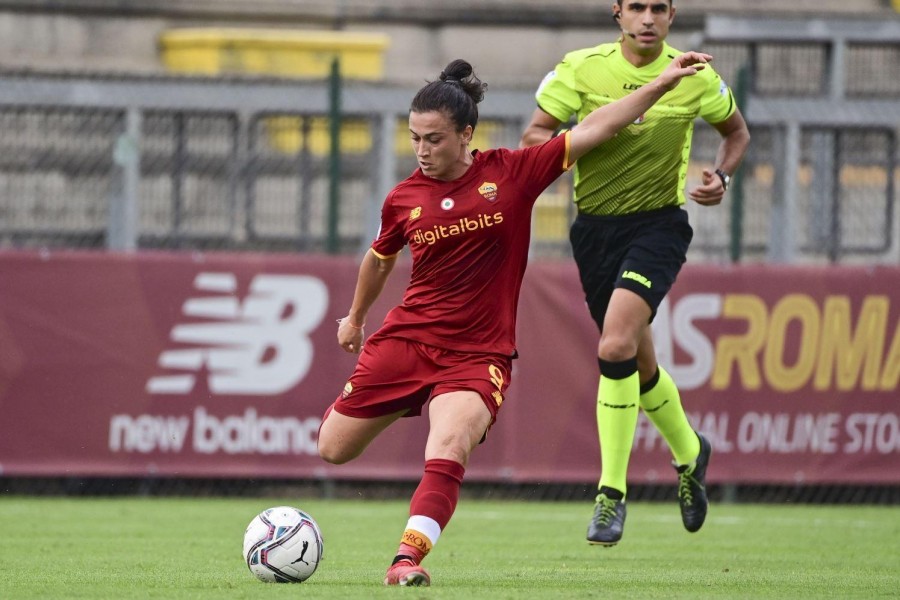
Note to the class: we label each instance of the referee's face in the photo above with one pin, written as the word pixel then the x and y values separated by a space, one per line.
pixel 644 24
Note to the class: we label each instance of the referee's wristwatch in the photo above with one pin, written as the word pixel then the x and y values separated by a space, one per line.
pixel 725 177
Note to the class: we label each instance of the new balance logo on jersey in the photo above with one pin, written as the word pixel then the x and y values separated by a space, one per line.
pixel 260 346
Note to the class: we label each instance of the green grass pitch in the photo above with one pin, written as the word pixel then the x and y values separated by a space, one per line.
pixel 173 548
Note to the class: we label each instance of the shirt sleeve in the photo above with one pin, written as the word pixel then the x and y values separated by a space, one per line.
pixel 717 103
pixel 390 238
pixel 541 165
pixel 556 95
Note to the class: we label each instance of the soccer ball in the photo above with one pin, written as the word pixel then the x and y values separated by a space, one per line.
pixel 283 545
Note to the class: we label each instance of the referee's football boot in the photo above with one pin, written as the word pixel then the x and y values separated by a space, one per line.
pixel 692 489
pixel 608 521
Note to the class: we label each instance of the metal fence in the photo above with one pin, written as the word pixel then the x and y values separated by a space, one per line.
pixel 247 164
pixel 198 166
pixel 822 98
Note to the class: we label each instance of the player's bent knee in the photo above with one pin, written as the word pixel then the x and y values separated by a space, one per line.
pixel 334 454
pixel 333 458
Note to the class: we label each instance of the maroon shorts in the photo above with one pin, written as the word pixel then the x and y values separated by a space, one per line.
pixel 395 374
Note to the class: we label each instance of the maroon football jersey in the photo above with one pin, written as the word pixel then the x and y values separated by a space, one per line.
pixel 469 242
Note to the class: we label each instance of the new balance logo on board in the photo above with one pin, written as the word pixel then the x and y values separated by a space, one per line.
pixel 256 346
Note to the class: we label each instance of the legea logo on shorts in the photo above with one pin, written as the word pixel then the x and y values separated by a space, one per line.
pixel 260 346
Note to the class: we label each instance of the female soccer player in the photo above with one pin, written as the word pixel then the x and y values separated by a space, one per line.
pixel 466 217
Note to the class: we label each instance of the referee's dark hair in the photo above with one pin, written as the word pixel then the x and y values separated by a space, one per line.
pixel 671 2
pixel 618 14
pixel 455 93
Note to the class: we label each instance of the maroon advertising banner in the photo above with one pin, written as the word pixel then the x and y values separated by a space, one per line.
pixel 222 365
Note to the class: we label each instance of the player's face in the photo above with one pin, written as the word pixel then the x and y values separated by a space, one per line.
pixel 645 24
pixel 441 150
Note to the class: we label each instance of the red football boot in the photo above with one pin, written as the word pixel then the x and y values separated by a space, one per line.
pixel 406 572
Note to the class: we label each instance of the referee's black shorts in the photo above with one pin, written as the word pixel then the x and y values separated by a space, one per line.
pixel 641 252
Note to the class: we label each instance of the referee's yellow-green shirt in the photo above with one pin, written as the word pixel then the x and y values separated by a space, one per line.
pixel 645 166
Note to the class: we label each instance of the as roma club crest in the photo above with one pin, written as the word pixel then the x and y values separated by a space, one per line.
pixel 488 190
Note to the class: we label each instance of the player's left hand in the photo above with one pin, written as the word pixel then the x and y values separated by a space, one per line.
pixel 710 192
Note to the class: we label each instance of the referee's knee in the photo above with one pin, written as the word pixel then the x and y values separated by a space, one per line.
pixel 614 348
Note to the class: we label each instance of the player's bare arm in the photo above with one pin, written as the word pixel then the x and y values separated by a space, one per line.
pixel 606 121
pixel 373 274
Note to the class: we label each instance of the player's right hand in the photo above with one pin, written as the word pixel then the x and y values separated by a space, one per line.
pixel 350 338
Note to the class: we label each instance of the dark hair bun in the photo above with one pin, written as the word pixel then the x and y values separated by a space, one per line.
pixel 461 72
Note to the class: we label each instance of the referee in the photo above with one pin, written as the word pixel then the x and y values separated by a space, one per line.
pixel 631 236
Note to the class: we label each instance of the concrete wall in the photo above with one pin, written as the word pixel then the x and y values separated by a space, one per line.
pixel 511 42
